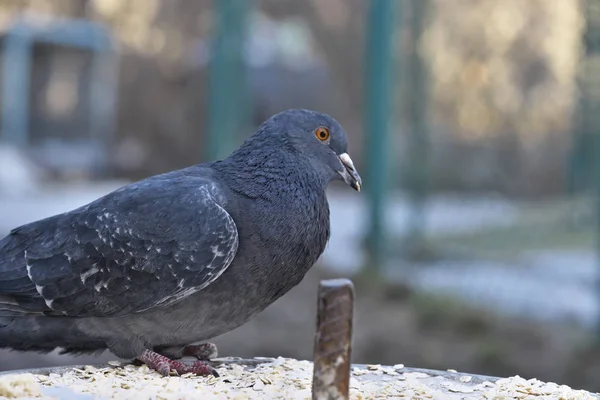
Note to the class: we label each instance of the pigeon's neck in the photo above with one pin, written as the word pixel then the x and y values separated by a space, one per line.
pixel 269 172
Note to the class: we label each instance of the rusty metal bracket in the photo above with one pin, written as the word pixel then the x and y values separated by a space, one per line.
pixel 333 340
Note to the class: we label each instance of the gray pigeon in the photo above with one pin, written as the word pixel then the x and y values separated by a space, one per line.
pixel 177 258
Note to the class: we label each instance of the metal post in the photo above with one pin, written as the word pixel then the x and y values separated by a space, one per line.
pixel 379 66
pixel 15 88
pixel 104 92
pixel 591 123
pixel 418 156
pixel 333 340
pixel 596 188
pixel 587 127
pixel 227 105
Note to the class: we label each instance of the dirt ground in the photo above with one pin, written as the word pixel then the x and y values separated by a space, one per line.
pixel 393 326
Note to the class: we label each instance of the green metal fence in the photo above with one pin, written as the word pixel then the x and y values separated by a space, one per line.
pixel 228 101
pixel 378 115
pixel 535 239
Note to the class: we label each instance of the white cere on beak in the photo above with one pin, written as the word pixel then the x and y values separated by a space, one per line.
pixel 347 160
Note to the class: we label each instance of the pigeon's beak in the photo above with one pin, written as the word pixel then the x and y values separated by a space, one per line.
pixel 349 173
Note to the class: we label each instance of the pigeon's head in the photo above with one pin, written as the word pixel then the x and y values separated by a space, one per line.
pixel 319 139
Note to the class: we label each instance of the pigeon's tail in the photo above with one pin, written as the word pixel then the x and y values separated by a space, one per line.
pixel 45 334
pixel 20 333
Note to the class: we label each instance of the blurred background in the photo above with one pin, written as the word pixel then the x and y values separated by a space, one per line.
pixel 474 124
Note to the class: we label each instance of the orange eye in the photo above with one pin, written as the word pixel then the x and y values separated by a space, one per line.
pixel 322 134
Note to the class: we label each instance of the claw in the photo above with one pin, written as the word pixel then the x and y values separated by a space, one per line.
pixel 203 369
pixel 164 370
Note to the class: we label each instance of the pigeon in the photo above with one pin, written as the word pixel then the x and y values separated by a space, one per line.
pixel 155 269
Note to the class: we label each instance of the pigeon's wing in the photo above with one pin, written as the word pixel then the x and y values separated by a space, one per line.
pixel 142 246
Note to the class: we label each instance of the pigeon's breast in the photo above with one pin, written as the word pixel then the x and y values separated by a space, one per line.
pixel 299 230
pixel 280 241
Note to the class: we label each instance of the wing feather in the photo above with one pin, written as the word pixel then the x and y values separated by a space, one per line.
pixel 148 244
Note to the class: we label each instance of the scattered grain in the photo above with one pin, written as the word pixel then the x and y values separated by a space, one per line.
pixel 279 379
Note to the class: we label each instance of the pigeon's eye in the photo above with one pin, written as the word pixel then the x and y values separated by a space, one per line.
pixel 322 134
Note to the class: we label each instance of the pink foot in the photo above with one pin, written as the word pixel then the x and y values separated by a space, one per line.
pixel 164 365
pixel 204 351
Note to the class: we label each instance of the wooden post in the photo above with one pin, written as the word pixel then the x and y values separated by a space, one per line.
pixel 333 340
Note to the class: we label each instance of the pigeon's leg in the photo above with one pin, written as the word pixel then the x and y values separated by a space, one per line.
pixel 165 365
pixel 204 351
